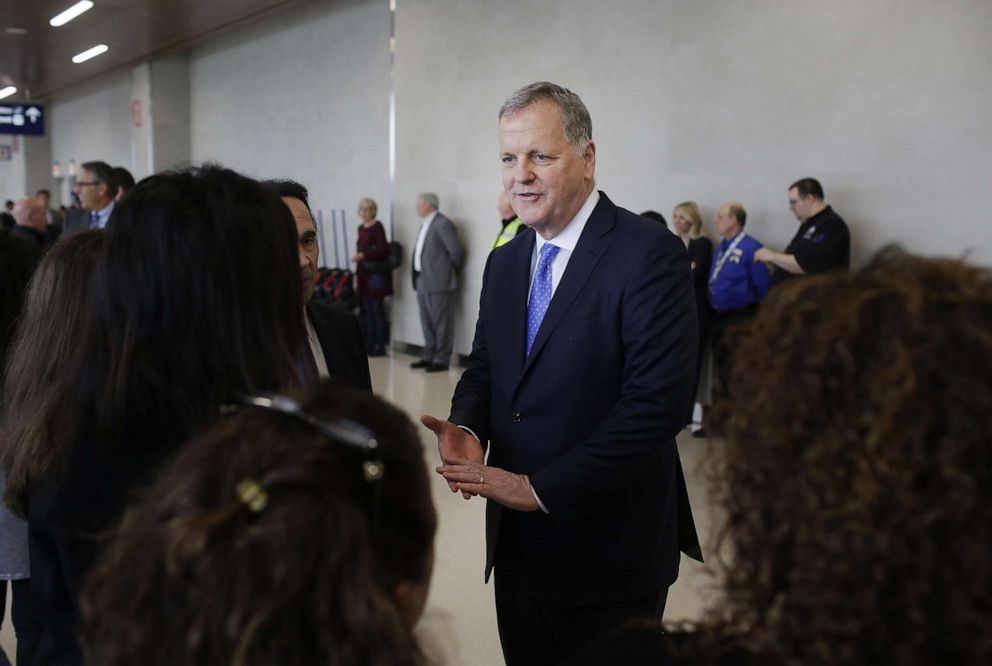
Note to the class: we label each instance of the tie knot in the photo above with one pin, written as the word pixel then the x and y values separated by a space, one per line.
pixel 548 254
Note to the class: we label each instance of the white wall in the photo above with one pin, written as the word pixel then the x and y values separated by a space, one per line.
pixel 885 101
pixel 93 122
pixel 304 97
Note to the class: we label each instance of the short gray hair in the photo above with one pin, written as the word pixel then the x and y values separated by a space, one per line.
pixel 430 199
pixel 575 119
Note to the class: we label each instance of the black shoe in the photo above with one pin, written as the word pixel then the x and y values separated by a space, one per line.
pixel 421 364
pixel 436 367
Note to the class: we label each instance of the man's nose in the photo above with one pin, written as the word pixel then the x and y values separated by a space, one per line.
pixel 304 258
pixel 523 171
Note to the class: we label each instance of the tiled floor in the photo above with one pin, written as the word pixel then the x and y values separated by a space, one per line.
pixel 459 625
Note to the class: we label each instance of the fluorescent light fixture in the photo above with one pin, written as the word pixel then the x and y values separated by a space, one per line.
pixel 7 92
pixel 90 53
pixel 71 13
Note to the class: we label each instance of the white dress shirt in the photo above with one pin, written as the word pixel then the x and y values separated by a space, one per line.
pixel 318 351
pixel 565 241
pixel 425 225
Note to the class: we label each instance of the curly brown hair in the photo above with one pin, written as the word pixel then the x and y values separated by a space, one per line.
pixel 856 474
pixel 195 576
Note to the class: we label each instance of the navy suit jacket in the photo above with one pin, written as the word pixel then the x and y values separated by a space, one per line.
pixel 591 415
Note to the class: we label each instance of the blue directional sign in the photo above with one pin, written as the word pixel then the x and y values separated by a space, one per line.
pixel 20 118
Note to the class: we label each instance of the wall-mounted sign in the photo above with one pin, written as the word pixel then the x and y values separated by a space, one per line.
pixel 5 153
pixel 22 119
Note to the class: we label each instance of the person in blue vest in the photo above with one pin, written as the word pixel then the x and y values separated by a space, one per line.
pixel 736 285
pixel 511 226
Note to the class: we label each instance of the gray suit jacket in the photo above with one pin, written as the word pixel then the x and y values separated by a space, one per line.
pixel 441 256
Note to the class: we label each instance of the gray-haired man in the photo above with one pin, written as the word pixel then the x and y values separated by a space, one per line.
pixel 436 256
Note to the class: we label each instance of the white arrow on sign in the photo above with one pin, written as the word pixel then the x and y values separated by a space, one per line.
pixel 33 114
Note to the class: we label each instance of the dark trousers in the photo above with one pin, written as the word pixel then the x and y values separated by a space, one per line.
pixel 532 630
pixel 376 331
pixel 27 627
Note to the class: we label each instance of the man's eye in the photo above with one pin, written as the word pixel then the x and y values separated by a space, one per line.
pixel 507 159
pixel 541 158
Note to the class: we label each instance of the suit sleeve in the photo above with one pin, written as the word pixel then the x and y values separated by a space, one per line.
pixel 659 336
pixel 452 245
pixel 471 400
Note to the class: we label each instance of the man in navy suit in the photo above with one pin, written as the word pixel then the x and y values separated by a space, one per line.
pixel 579 378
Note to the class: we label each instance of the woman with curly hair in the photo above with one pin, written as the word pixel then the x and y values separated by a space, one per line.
pixel 293 534
pixel 857 476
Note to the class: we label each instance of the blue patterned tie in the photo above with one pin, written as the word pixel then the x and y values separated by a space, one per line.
pixel 540 293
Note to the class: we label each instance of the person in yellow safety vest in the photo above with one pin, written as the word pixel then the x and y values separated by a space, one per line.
pixel 511 223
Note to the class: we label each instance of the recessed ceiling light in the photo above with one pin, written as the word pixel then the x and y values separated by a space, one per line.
pixel 7 92
pixel 90 53
pixel 15 31
pixel 71 13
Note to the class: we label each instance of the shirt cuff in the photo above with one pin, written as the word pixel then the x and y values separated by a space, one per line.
pixel 470 431
pixel 539 502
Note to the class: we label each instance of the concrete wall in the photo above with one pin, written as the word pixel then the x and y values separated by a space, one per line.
pixel 92 122
pixel 305 97
pixel 886 102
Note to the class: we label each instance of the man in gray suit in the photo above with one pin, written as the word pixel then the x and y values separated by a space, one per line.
pixel 436 256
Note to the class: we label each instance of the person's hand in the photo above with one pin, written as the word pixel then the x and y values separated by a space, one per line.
pixel 509 489
pixel 454 445
pixel 764 255
pixel 358 256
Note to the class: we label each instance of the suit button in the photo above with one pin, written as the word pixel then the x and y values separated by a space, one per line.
pixel 515 417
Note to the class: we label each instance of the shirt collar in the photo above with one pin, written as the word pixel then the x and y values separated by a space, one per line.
pixel 105 212
pixel 569 236
pixel 430 218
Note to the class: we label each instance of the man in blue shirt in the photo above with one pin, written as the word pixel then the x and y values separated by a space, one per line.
pixel 736 282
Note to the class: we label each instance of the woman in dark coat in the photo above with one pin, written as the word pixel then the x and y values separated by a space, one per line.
pixel 688 225
pixel 373 285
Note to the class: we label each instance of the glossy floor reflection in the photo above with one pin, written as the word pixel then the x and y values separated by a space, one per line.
pixel 459 624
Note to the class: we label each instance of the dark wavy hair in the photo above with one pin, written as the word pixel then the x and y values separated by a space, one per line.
pixel 856 475
pixel 195 300
pixel 44 357
pixel 196 577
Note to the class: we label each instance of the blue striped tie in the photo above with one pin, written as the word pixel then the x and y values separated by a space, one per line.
pixel 540 293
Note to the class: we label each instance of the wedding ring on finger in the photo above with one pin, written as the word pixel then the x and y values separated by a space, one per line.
pixel 482 477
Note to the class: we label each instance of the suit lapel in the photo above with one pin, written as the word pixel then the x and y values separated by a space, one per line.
pixel 516 301
pixel 588 251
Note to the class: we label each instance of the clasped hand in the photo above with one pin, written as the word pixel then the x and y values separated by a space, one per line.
pixel 464 469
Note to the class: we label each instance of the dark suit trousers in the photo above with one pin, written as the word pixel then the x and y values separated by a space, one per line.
pixel 535 630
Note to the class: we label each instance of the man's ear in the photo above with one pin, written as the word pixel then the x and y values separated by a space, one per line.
pixel 590 160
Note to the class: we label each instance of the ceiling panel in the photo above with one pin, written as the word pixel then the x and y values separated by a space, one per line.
pixel 39 61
